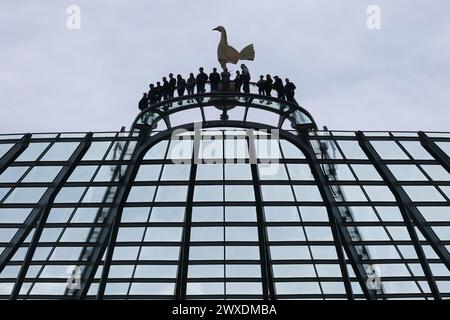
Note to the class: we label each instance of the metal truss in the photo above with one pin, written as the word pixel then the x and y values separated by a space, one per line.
pixel 37 218
pixel 411 215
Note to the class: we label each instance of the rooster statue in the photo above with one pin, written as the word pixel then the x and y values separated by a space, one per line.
pixel 228 54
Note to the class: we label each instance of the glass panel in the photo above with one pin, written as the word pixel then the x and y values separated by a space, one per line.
pixel 11 215
pixel 342 172
pixel 445 146
pixel 12 174
pixel 33 151
pixel 436 172
pixel 167 214
pixel 82 174
pixel 203 214
pixel 351 149
pixel 141 194
pixel 300 171
pixel 241 234
pixel 176 172
pixel 42 174
pixel 239 193
pixel 172 193
pixel 209 172
pixel 407 172
pixel 60 151
pixel 4 148
pixel 238 172
pixel 97 150
pixel 208 193
pixel 148 172
pixel 69 194
pixel 388 150
pixel 25 195
pixel 277 193
pixel 423 193
pixel 379 193
pixel 366 172
pixel 290 151
pixel 416 150
pixel 235 214
pixel 274 214
pixel 307 193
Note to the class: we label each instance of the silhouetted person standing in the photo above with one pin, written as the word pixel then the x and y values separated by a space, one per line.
pixel 238 81
pixel 165 88
pixel 245 78
pixel 261 85
pixel 143 103
pixel 201 81
pixel 268 85
pixel 181 85
pixel 190 84
pixel 214 78
pixel 152 95
pixel 279 87
pixel 158 91
pixel 225 80
pixel 289 90
pixel 172 85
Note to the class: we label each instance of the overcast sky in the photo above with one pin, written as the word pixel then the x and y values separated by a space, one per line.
pixel 347 76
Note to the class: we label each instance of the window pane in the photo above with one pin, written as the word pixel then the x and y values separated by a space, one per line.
pixel 25 195
pixel 388 150
pixel 408 172
pixel 12 174
pixel 366 172
pixel 351 149
pixel 60 151
pixel 42 174
pixel 148 172
pixel 423 193
pixel 33 151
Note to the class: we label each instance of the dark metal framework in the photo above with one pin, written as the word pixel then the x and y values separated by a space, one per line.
pixel 359 239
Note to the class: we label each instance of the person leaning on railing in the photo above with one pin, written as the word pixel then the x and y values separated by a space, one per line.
pixel 242 79
pixel 201 80
pixel 245 78
pixel 289 90
pixel 190 84
pixel 214 79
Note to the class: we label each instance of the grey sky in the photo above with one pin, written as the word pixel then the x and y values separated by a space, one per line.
pixel 348 77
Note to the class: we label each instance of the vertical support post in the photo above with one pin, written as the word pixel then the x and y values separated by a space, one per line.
pixel 268 285
pixel 181 285
pixel 404 204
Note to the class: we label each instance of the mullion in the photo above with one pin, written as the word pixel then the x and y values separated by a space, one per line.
pixel 147 224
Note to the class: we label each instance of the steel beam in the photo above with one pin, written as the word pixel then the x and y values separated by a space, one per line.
pixel 404 204
pixel 182 273
pixel 14 152
pixel 114 217
pixel 268 285
pixel 435 151
pixel 41 213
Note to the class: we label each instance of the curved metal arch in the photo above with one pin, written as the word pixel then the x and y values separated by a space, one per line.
pixel 338 232
pixel 224 101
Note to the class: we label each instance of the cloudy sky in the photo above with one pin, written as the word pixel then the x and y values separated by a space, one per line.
pixel 347 76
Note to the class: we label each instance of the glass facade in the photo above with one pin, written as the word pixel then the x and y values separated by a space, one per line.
pixel 227 211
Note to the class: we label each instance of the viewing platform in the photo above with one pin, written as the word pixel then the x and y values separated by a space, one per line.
pixel 226 107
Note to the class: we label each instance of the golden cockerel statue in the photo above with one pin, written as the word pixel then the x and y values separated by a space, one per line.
pixel 228 54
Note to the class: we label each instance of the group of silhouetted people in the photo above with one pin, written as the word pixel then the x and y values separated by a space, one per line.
pixel 218 82
pixel 284 91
